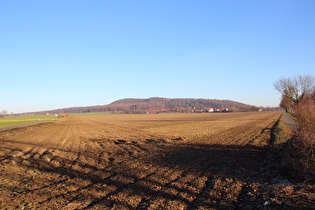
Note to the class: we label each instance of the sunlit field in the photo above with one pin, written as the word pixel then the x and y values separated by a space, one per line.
pixel 162 161
pixel 9 121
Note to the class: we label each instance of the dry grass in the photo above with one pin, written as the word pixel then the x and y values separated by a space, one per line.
pixel 302 147
pixel 281 132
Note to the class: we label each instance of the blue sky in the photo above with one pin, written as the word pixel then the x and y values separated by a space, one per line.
pixel 56 54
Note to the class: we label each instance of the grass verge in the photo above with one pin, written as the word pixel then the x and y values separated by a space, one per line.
pixel 9 121
pixel 281 133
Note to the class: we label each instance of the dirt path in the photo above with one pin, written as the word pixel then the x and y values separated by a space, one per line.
pixel 113 163
pixel 290 121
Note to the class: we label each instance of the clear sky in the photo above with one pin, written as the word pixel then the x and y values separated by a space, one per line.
pixel 57 54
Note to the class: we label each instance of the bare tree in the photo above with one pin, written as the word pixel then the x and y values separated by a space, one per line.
pixel 286 103
pixel 305 85
pixel 294 89
pixel 313 93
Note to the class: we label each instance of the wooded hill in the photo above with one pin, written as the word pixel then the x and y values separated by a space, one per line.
pixel 156 104
pixel 177 104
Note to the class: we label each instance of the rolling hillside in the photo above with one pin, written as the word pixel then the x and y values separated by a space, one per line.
pixel 157 104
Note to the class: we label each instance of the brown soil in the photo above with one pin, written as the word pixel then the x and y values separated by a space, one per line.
pixel 165 161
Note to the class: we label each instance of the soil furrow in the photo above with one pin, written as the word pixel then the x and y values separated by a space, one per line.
pixel 166 161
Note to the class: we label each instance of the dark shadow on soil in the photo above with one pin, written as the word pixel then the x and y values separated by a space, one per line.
pixel 228 160
pixel 247 164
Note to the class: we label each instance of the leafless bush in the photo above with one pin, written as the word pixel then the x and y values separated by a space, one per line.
pixel 305 116
pixel 302 148
pixel 298 98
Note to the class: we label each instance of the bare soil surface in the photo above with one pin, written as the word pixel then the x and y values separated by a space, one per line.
pixel 165 161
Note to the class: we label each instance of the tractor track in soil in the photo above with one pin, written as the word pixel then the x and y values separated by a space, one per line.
pixel 130 162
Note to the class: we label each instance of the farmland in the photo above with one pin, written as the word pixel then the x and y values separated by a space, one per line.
pixel 9 121
pixel 164 161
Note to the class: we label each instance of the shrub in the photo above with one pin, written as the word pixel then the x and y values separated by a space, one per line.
pixel 65 115
pixel 305 116
pixel 302 147
pixel 298 98
pixel 302 153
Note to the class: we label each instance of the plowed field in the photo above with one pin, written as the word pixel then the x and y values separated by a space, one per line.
pixel 164 161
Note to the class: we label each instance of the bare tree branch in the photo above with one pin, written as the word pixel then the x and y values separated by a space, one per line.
pixel 293 90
